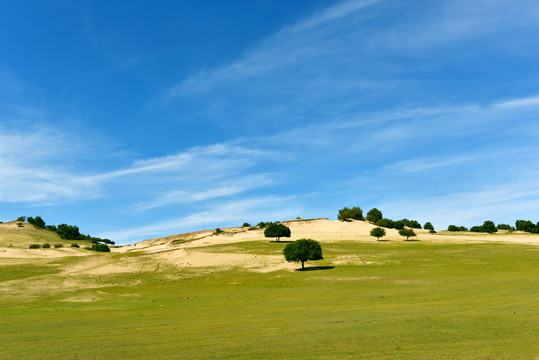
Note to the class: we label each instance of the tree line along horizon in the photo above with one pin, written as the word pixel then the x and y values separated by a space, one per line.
pixel 375 216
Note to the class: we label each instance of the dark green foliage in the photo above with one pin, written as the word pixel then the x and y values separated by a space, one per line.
pixel 97 240
pixel 387 223
pixel 246 224
pixel 20 224
pixel 37 221
pixel 428 226
pixel 490 227
pixel 505 227
pixel 35 246
pixel 406 222
pixel 477 229
pixel 69 232
pixel 374 215
pixel 46 246
pixel 399 224
pixel 378 232
pixel 414 224
pixel 52 228
pixel 303 250
pixel 463 228
pixel 277 231
pixel 21 218
pixel 100 248
pixel 75 245
pixel 453 228
pixel 218 231
pixel 432 231
pixel 407 232
pixel 527 225
pixel 58 246
pixel 261 225
pixel 253 228
pixel 354 213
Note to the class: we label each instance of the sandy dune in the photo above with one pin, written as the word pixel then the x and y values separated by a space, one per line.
pixel 188 250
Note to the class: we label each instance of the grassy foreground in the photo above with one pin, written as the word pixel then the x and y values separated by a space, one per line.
pixel 385 300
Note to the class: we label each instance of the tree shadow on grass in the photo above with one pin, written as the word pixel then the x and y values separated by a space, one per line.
pixel 412 240
pixel 385 240
pixel 312 268
pixel 282 241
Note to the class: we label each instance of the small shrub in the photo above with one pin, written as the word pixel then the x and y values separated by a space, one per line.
pixel 35 246
pixel 46 246
pixel 218 231
pixel 253 228
pixel 100 248
pixel 432 231
pixel 261 225
pixel 20 224
pixel 75 245
pixel 58 246
pixel 246 224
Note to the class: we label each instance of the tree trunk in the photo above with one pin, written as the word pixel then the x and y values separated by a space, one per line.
pixel 302 266
pixel 278 238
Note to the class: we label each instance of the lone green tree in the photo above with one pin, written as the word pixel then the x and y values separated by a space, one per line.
pixel 303 250
pixel 428 226
pixel 374 215
pixel 407 232
pixel 378 232
pixel 277 231
pixel 354 213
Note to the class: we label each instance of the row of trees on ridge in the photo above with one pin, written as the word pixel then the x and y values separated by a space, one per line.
pixel 375 216
pixel 67 232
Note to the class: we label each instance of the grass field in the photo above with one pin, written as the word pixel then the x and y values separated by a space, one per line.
pixel 380 300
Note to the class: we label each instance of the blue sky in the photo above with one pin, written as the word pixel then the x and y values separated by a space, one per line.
pixel 135 119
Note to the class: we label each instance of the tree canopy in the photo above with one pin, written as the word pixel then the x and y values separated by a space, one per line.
pixel 37 221
pixel 387 223
pixel 277 231
pixel 407 232
pixel 303 250
pixel 354 213
pixel 378 232
pixel 428 226
pixel 374 215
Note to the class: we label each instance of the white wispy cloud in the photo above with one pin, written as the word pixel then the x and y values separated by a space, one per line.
pixel 220 189
pixel 517 103
pixel 262 208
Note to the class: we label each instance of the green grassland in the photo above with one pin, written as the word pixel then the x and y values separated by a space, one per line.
pixel 379 300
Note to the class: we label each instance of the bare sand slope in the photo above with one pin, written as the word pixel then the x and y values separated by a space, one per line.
pixel 188 250
pixel 323 230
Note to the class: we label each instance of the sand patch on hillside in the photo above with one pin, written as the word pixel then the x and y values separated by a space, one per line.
pixel 323 230
pixel 199 259
pixel 15 253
